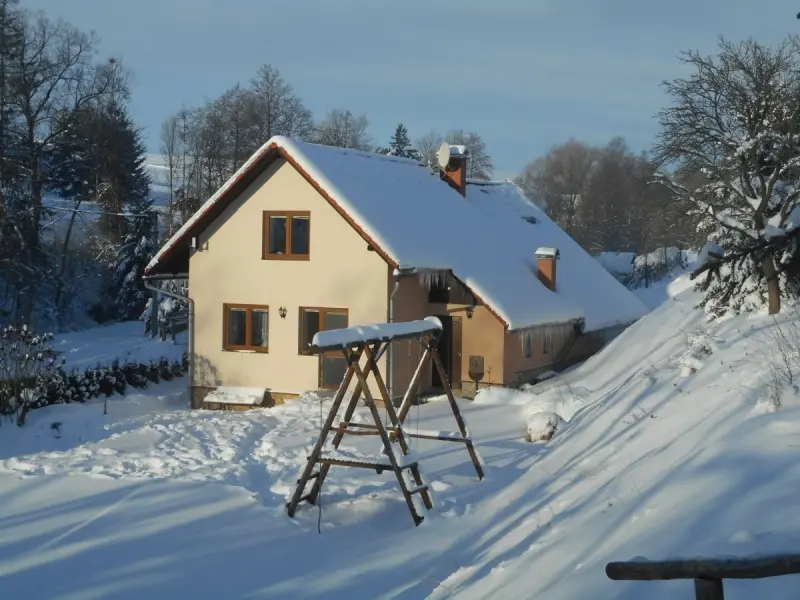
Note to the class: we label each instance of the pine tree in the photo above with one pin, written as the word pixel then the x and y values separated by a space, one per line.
pixel 400 145
pixel 126 292
pixel 123 177
pixel 126 189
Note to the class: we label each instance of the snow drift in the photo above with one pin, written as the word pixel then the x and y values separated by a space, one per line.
pixel 650 460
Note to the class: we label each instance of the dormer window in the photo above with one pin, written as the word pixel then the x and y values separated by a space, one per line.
pixel 286 235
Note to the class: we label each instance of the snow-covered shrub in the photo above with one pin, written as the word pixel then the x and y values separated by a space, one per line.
pixel 699 344
pixel 169 310
pixel 26 359
pixel 58 386
pixel 783 357
pixel 542 426
pixel 635 271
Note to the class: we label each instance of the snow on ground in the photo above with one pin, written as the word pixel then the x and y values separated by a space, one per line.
pixel 652 459
pixel 123 341
pixel 665 289
pixel 623 265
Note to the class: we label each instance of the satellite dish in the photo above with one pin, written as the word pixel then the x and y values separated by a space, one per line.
pixel 443 155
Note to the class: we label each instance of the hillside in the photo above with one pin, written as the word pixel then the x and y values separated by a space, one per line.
pixel 670 448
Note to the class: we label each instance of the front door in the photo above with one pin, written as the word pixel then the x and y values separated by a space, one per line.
pixel 449 351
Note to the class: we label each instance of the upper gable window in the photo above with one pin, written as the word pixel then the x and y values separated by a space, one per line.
pixel 286 235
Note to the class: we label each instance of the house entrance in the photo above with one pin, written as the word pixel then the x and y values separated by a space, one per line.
pixel 450 351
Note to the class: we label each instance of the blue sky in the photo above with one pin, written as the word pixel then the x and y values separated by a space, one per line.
pixel 525 74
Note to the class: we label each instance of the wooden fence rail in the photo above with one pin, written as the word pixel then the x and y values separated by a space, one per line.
pixel 707 574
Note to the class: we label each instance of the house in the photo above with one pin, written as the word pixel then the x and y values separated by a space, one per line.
pixel 306 238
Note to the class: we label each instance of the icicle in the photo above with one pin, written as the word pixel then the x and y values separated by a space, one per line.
pixel 555 333
pixel 428 278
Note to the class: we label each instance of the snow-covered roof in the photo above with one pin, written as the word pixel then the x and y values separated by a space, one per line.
pixel 581 279
pixel 416 220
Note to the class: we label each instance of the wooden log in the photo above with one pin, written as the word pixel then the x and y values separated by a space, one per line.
pixel 343 462
pixel 358 335
pixel 754 568
pixel 345 430
pixel 421 435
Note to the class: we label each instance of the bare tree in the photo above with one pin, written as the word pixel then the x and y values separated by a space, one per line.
pixel 234 106
pixel 170 151
pixel 343 129
pixel 479 163
pixel 274 109
pixel 427 145
pixel 736 119
pixel 53 79
pixel 560 180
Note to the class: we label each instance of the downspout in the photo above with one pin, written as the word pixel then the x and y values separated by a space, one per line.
pixel 190 320
pixel 398 273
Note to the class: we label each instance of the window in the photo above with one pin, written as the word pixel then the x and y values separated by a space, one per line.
pixel 312 320
pixel 527 344
pixel 287 235
pixel 246 327
pixel 545 343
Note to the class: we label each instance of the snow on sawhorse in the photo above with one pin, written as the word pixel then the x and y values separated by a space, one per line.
pixel 372 341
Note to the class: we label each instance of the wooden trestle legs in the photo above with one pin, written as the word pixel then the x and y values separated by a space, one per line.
pixel 355 344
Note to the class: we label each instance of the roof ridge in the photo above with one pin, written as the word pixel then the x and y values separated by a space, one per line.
pixel 283 141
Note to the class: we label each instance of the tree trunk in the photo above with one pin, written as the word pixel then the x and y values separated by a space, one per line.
pixel 773 286
pixel 64 251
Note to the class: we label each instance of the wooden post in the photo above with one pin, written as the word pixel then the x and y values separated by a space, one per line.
pixel 354 398
pixel 454 406
pixel 405 405
pixel 708 589
pixel 707 574
pixel 387 444
pixel 323 434
pixel 376 374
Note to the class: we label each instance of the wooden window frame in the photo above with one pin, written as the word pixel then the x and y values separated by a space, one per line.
pixel 527 346
pixel 288 214
pixel 226 321
pixel 322 310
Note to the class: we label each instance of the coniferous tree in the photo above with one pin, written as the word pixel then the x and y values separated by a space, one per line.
pixel 124 178
pixel 400 145
pixel 128 225
pixel 126 291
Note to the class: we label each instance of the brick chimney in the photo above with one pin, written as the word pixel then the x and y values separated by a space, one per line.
pixel 453 166
pixel 547 258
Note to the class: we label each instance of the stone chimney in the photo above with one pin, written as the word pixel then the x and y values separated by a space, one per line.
pixel 547 258
pixel 453 167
